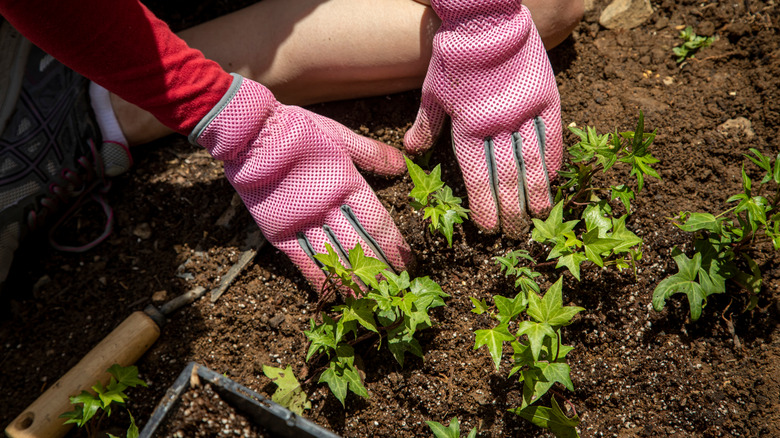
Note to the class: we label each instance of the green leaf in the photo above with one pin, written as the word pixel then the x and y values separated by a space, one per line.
pixel 625 194
pixel 366 268
pixel 127 376
pixel 424 184
pixel 428 292
pixel 360 310
pixel 90 406
pixel 508 309
pixel 572 262
pixel 439 431
pixel 626 238
pixel 553 226
pixel 595 246
pixel 595 219
pixel 553 419
pixel 494 339
pixel 559 372
pixel 132 430
pixel 480 306
pixel 288 390
pixel 550 309
pixel 536 332
pixel 113 393
pixel 683 281
pixel 337 383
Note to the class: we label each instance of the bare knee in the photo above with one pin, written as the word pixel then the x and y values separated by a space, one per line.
pixel 555 19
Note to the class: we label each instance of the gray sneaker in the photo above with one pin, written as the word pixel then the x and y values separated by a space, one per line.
pixel 51 156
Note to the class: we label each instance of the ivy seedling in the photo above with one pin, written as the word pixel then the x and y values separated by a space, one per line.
pixel 722 243
pixel 541 361
pixel 392 306
pixel 87 405
pixel 451 431
pixel 692 43
pixel 436 200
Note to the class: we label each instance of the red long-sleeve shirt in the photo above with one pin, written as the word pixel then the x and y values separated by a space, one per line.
pixel 123 47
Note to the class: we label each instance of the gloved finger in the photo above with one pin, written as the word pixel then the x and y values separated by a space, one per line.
pixel 532 136
pixel 507 183
pixel 475 163
pixel 427 126
pixel 368 154
pixel 553 137
pixel 363 220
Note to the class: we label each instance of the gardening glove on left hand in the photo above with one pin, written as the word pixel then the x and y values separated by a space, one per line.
pixel 294 170
pixel 490 73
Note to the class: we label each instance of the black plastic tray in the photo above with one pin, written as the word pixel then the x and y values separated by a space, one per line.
pixel 275 419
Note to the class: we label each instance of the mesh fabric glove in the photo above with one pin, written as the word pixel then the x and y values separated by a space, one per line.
pixel 490 73
pixel 294 171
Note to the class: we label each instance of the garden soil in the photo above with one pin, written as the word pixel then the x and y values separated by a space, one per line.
pixel 636 372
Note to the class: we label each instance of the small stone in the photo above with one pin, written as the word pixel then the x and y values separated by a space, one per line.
pixel 276 321
pixel 159 296
pixel 625 14
pixel 738 125
pixel 143 231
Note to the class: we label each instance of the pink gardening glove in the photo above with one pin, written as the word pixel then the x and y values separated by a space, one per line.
pixel 294 170
pixel 490 73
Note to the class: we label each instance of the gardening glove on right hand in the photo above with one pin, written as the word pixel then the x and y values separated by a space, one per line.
pixel 294 171
pixel 490 73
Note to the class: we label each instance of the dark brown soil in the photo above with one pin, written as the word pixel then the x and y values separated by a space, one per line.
pixel 201 412
pixel 637 372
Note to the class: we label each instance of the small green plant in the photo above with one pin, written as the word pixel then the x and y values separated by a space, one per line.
pixel 87 405
pixel 389 306
pixel 288 390
pixel 722 243
pixel 692 43
pixel 539 362
pixel 451 431
pixel 583 226
pixel 435 198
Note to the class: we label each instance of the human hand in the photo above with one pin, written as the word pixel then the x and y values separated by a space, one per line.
pixel 294 171
pixel 490 73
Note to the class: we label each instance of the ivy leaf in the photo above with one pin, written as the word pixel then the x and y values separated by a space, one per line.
pixel 550 309
pixel 127 376
pixel 536 332
pixel 627 239
pixel 494 339
pixel 424 184
pixel 428 292
pixel 288 390
pixel 366 268
pixel 90 405
pixel 113 393
pixel 439 431
pixel 337 383
pixel 552 418
pixel 595 246
pixel 595 219
pixel 625 194
pixel 360 310
pixel 559 372
pixel 480 306
pixel 572 262
pixel 508 309
pixel 683 281
pixel 553 226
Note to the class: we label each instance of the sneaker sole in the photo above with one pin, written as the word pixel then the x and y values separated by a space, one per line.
pixel 14 49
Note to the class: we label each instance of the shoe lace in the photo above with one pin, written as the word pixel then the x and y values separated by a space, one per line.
pixel 89 184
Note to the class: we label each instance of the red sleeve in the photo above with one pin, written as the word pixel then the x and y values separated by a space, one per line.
pixel 123 47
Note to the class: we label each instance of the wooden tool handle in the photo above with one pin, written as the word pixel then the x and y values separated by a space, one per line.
pixel 126 344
